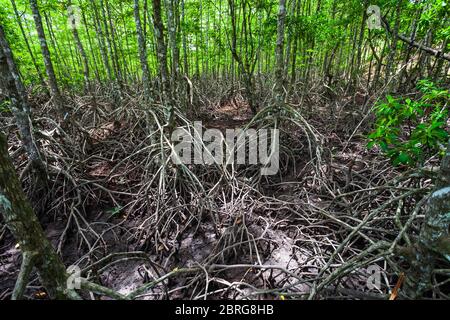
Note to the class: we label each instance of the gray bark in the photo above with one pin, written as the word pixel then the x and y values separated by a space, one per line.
pixel 56 95
pixel 172 31
pixel 101 42
pixel 437 53
pixel 14 89
pixel 142 51
pixel 434 238
pixel 83 55
pixel 161 47
pixel 279 68
pixel 24 225
pixel 33 59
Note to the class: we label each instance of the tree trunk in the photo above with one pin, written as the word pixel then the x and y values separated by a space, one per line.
pixel 87 86
pixel 91 48
pixel 184 40
pixel 160 46
pixel 101 40
pixel 33 59
pixel 434 238
pixel 12 85
pixel 142 51
pixel 243 67
pixel 393 49
pixel 172 30
pixel 24 225
pixel 112 33
pixel 279 68
pixel 56 95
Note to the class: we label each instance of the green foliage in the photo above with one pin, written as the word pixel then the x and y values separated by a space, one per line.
pixel 407 130
pixel 4 106
pixel 318 32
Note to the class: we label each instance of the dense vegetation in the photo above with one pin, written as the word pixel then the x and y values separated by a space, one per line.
pixel 91 91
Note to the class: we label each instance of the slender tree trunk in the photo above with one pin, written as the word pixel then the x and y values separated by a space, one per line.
pixel 101 40
pixel 357 67
pixel 33 59
pixel 87 85
pixel 61 63
pixel 407 56
pixel 115 51
pixel 393 47
pixel 111 52
pixel 279 68
pixel 243 66
pixel 172 31
pixel 91 48
pixel 161 47
pixel 56 95
pixel 440 62
pixel 11 83
pixel 185 53
pixel 142 51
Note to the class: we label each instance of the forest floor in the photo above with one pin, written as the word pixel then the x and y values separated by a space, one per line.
pixel 314 228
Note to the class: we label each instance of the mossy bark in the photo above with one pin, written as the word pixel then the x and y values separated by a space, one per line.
pixel 24 225
pixel 11 84
pixel 434 239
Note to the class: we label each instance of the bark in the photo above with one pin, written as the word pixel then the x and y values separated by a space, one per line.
pixel 172 31
pixel 142 51
pixel 24 225
pixel 33 59
pixel 101 40
pixel 56 95
pixel 185 54
pixel 61 61
pixel 437 53
pixel 12 85
pixel 83 55
pixel 112 33
pixel 161 47
pixel 107 35
pixel 279 68
pixel 245 68
pixel 91 48
pixel 407 56
pixel 434 238
pixel 440 63
pixel 357 68
pixel 393 49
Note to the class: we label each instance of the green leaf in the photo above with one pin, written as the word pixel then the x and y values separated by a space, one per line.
pixel 384 146
pixel 402 158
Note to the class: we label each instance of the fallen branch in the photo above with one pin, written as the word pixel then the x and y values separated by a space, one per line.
pixel 434 52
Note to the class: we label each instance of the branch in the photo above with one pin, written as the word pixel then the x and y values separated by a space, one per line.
pixel 24 274
pixel 90 286
pixel 149 285
pixel 438 54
